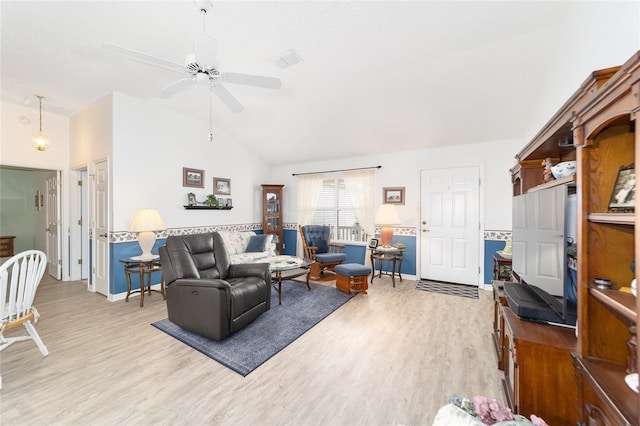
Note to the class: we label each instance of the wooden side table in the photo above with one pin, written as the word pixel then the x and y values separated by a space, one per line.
pixel 387 254
pixel 143 268
pixel 501 268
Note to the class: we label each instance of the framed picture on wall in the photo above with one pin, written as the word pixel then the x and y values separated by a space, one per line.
pixel 193 178
pixel 393 195
pixel 221 186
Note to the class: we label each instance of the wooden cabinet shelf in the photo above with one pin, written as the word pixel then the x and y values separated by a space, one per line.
pixel 555 182
pixel 605 391
pixel 613 218
pixel 617 301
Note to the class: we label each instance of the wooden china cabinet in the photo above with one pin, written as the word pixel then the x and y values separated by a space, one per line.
pixel 272 212
pixel 597 128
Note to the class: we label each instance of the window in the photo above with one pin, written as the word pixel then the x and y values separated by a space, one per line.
pixel 344 201
pixel 335 208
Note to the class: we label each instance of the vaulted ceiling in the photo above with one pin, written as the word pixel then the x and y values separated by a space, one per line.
pixel 375 76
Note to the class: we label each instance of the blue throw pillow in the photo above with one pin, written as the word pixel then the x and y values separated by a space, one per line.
pixel 258 243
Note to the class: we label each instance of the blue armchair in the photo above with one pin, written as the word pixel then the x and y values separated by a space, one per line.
pixel 316 241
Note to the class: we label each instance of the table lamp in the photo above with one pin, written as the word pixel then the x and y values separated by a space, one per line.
pixel 145 223
pixel 387 215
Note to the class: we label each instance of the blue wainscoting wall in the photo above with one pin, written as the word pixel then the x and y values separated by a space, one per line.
pixel 493 242
pixel 356 252
pixel 118 282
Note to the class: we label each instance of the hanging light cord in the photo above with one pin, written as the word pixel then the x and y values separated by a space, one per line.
pixel 40 99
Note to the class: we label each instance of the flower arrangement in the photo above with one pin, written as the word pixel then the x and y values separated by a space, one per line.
pixel 490 412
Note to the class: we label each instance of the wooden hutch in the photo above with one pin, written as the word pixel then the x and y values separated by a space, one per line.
pixel 569 376
pixel 272 213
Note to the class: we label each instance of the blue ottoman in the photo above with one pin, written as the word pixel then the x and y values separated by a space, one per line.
pixel 352 278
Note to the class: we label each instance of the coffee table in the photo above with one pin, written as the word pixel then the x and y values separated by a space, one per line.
pixel 287 268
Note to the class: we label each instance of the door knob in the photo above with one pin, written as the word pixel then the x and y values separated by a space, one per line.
pixel 424 222
pixel 103 235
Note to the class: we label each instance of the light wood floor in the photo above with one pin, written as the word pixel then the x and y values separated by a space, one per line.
pixel 391 357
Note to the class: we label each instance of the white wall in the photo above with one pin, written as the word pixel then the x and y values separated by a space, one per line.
pixel 599 38
pixel 151 147
pixel 403 169
pixel 15 138
pixel 92 133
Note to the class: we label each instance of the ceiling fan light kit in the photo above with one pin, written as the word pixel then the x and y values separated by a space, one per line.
pixel 40 141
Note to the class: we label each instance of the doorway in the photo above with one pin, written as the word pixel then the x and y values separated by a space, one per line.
pixel 450 225
pixel 30 209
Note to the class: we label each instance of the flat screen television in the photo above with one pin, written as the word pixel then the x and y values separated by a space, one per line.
pixel 544 224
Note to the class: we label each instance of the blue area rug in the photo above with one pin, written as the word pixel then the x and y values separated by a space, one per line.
pixel 254 344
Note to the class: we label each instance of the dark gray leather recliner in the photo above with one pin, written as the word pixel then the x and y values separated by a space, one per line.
pixel 208 295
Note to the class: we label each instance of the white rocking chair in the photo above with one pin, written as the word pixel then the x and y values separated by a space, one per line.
pixel 19 280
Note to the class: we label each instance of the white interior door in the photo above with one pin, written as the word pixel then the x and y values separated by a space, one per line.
pixel 54 226
pixel 100 221
pixel 450 225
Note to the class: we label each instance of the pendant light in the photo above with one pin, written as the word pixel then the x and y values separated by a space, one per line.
pixel 40 141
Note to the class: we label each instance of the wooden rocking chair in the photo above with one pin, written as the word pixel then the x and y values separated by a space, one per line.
pixel 19 280
pixel 318 247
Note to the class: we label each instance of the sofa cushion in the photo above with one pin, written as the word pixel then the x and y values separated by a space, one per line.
pixel 259 243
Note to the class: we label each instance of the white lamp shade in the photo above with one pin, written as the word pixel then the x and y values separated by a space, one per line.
pixel 387 215
pixel 146 220
pixel 145 223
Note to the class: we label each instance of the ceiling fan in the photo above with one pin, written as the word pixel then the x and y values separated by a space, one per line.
pixel 201 67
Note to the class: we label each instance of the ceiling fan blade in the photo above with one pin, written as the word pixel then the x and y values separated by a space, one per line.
pixel 227 98
pixel 252 80
pixel 143 57
pixel 174 88
pixel 205 48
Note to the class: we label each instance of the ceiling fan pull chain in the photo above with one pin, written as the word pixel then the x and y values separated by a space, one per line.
pixel 210 132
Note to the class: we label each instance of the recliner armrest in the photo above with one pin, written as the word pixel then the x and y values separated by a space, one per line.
pixel 259 270
pixel 201 282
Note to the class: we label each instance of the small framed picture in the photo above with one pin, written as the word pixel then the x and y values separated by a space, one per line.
pixel 221 186
pixel 623 197
pixel 393 195
pixel 228 203
pixel 191 197
pixel 373 243
pixel 193 178
pixel 220 201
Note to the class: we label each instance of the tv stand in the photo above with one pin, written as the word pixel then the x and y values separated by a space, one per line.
pixel 536 358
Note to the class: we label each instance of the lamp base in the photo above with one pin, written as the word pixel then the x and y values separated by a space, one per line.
pixel 386 235
pixel 146 239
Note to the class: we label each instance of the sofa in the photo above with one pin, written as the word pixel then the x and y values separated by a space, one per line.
pixel 208 295
pixel 247 246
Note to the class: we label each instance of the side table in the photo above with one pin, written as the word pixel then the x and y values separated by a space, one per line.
pixel 501 268
pixel 142 268
pixel 393 255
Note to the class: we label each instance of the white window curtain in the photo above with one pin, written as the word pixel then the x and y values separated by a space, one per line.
pixel 359 186
pixel 309 187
